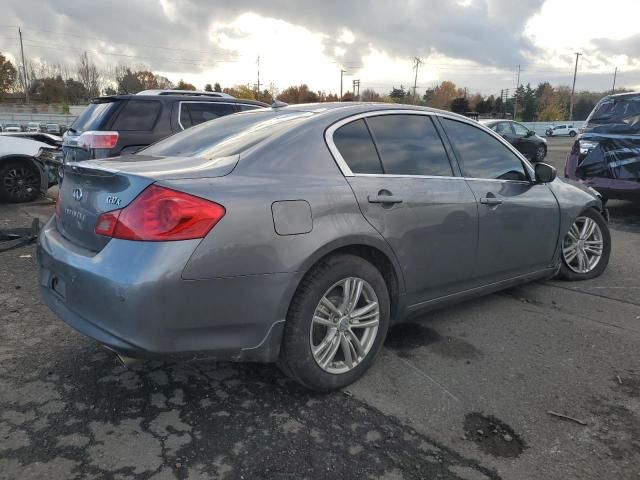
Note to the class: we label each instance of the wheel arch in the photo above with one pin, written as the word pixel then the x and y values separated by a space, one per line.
pixel 378 253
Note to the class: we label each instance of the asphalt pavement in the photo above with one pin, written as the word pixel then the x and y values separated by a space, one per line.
pixel 536 382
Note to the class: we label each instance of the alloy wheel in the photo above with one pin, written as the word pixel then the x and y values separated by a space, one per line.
pixel 583 246
pixel 540 154
pixel 344 326
pixel 20 182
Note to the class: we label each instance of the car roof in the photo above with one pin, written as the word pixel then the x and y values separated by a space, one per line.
pixel 184 97
pixel 353 108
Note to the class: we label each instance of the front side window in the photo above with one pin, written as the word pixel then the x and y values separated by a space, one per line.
pixel 409 145
pixel 140 115
pixel 503 128
pixel 355 145
pixel 195 113
pixel 520 130
pixel 482 155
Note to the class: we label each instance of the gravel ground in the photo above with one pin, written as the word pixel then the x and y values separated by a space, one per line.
pixel 463 393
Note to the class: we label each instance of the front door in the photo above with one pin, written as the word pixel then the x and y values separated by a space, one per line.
pixel 407 190
pixel 519 220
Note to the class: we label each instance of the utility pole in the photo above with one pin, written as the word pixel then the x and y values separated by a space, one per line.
pixel 342 72
pixel 415 79
pixel 515 106
pixel 258 84
pixel 24 69
pixel 573 88
pixel 615 73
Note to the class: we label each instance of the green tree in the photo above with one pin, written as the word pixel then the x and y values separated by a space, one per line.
pixel 7 75
pixel 460 105
pixel 127 81
pixel 182 85
pixel 217 88
pixel 208 88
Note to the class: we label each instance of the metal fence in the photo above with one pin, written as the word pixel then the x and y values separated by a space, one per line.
pixel 25 118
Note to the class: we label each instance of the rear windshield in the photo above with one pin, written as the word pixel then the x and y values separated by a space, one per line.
pixel 93 116
pixel 225 136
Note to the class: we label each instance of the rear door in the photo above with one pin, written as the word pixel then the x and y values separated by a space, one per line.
pixel 136 126
pixel 406 187
pixel 519 220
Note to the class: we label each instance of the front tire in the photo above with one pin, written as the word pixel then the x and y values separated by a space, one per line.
pixel 572 134
pixel 336 324
pixel 586 247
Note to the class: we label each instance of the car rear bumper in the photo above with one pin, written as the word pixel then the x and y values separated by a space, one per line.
pixel 131 298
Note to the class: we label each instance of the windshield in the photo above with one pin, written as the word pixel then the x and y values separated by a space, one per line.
pixel 225 136
pixel 615 115
pixel 93 116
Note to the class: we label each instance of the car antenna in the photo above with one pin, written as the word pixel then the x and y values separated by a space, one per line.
pixel 278 104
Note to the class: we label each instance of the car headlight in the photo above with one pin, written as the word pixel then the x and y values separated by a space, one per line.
pixel 586 146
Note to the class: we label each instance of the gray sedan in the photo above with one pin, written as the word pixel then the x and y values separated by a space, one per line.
pixel 300 234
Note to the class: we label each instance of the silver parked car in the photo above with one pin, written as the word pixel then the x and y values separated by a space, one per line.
pixel 300 234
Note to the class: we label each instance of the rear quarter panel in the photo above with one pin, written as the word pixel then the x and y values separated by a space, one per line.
pixel 297 166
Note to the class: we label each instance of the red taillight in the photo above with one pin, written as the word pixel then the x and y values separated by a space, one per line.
pixel 90 140
pixel 161 214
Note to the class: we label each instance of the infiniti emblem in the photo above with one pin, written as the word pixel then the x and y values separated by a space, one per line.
pixel 77 194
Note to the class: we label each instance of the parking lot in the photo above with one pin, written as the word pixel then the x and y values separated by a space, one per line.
pixel 540 381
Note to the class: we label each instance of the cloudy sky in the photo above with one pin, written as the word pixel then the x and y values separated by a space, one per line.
pixel 475 43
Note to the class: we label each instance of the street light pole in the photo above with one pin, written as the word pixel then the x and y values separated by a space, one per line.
pixel 615 73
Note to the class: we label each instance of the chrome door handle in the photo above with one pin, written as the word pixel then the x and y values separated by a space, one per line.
pixel 384 199
pixel 491 201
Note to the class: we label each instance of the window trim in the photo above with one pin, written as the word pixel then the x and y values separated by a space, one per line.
pixel 216 103
pixel 436 116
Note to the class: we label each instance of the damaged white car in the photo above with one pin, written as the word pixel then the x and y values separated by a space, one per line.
pixel 28 165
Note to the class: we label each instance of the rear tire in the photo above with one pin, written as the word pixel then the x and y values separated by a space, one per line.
pixel 572 133
pixel 580 248
pixel 19 181
pixel 327 347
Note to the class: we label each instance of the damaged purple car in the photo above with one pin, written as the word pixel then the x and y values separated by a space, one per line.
pixel 606 155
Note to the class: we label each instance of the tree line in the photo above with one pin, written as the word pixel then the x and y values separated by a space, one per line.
pixel 57 83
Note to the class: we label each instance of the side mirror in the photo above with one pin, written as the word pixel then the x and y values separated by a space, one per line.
pixel 530 133
pixel 545 173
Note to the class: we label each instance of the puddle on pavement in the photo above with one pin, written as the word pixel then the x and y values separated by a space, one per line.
pixel 406 337
pixel 492 435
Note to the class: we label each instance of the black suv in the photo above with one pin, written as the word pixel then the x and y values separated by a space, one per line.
pixel 120 124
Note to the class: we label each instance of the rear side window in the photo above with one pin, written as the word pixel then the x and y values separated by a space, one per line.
pixel 140 115
pixel 482 155
pixel 93 116
pixel 354 143
pixel 195 113
pixel 409 145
